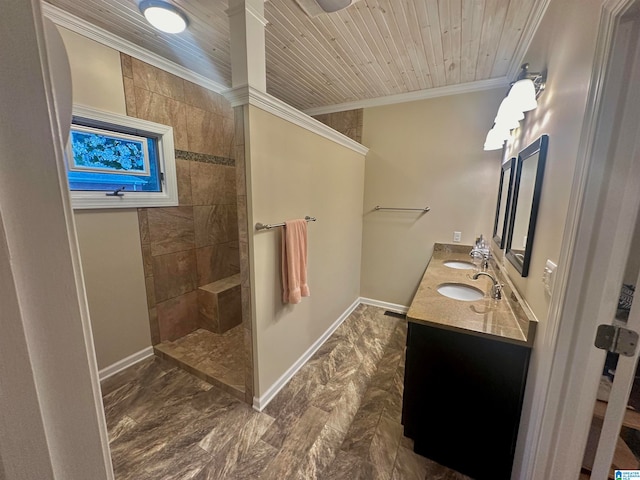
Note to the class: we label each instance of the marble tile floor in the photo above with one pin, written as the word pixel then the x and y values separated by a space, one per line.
pixel 338 418
pixel 213 357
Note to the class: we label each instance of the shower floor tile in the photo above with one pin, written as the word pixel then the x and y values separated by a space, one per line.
pixel 213 357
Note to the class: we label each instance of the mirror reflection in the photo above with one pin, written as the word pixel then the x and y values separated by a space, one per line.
pixel 504 200
pixel 526 199
pixel 523 208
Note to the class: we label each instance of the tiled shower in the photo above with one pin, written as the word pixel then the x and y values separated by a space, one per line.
pixel 191 252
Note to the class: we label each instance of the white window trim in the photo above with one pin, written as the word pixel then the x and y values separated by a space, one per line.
pixel 166 152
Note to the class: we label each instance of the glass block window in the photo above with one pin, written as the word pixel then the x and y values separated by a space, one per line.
pixel 118 161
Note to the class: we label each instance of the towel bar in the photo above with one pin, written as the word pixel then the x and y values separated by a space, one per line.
pixel 268 226
pixel 425 209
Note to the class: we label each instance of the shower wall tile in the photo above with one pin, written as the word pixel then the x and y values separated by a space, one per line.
pixel 126 64
pixel 248 365
pixel 212 184
pixel 177 316
pixel 174 274
pixel 157 81
pixel 246 308
pixel 183 174
pixel 143 225
pixel 243 222
pixel 229 308
pixel 146 260
pixel 349 123
pixel 167 111
pixel 215 224
pixel 153 325
pixel 205 131
pixel 197 96
pixel 244 263
pixel 149 284
pixel 241 188
pixel 217 261
pixel 243 236
pixel 130 96
pixel 171 229
pixel 228 138
pixel 229 186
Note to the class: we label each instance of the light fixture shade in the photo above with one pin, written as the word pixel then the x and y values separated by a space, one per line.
pixel 523 95
pixel 508 117
pixel 495 139
pixel 508 112
pixel 164 16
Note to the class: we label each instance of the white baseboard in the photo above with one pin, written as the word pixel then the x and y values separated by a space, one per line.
pixel 125 363
pixel 394 307
pixel 259 403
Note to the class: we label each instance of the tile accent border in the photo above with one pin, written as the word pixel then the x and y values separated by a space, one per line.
pixel 394 307
pixel 259 403
pixel 125 363
pixel 205 158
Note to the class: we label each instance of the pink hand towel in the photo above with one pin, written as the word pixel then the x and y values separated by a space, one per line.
pixel 294 261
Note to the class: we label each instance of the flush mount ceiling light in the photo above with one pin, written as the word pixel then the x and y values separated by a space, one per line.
pixel 522 97
pixel 313 8
pixel 164 16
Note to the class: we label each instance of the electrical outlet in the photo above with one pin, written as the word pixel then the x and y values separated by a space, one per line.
pixel 457 236
pixel 549 276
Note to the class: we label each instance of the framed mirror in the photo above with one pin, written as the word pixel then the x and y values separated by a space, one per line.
pixel 504 201
pixel 527 188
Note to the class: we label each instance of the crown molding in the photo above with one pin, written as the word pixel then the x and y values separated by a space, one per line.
pixel 100 35
pixel 531 27
pixel 413 96
pixel 246 95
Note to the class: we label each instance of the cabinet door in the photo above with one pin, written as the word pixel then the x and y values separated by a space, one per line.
pixel 463 397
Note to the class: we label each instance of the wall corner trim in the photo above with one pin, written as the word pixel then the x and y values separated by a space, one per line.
pixel 125 363
pixel 246 95
pixel 259 403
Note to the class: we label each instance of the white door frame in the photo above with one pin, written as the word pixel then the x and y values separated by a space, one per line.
pixel 562 409
pixel 52 423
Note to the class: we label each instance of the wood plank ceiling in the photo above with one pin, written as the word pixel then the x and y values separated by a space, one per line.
pixel 372 49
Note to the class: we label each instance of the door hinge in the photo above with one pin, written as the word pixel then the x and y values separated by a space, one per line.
pixel 616 340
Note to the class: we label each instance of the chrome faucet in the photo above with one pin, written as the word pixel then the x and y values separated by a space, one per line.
pixel 496 289
pixel 481 252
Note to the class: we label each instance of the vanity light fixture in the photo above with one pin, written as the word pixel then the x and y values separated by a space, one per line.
pixel 522 97
pixel 164 16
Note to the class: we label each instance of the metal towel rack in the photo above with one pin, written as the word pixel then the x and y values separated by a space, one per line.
pixel 263 226
pixel 425 209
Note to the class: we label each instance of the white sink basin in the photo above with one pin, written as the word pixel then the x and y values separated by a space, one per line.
pixel 459 264
pixel 460 291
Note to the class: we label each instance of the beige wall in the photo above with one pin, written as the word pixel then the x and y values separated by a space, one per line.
pixel 426 153
pixel 109 240
pixel 95 73
pixel 566 50
pixel 292 173
pixel 114 279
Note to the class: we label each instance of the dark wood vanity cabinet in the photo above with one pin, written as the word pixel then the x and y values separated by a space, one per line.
pixel 462 399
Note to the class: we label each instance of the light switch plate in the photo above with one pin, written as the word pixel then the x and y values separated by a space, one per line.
pixel 457 236
pixel 549 276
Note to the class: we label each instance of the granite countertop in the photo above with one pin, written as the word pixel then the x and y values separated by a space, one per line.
pixel 501 320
